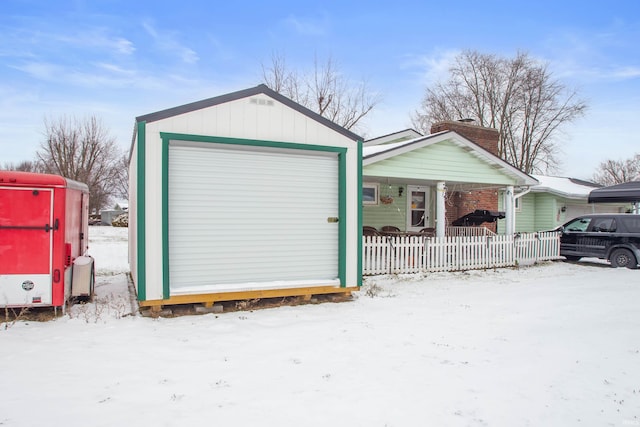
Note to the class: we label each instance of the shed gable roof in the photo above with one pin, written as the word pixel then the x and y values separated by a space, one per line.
pixel 233 96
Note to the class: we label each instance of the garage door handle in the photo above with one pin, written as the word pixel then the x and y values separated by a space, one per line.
pixel 332 219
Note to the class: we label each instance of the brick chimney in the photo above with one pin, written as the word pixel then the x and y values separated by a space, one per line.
pixel 486 138
pixel 465 202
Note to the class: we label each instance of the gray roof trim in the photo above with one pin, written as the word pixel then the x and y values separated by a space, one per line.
pixel 585 183
pixel 372 141
pixel 245 93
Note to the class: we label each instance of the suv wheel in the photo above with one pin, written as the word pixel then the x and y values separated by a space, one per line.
pixel 623 258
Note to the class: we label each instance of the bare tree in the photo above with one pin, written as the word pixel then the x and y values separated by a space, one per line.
pixel 518 96
pixel 611 172
pixel 84 151
pixel 324 90
pixel 24 166
pixel 121 180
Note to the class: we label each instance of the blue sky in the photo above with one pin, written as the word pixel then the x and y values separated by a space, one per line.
pixel 121 59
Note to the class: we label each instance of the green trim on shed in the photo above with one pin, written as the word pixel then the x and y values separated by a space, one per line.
pixel 360 213
pixel 342 190
pixel 166 292
pixel 141 211
pixel 342 218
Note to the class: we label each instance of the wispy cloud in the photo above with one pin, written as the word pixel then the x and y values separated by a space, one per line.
pixel 124 46
pixel 29 42
pixel 168 41
pixel 588 72
pixel 114 68
pixel 95 38
pixel 101 75
pixel 431 68
pixel 40 70
pixel 628 72
pixel 588 57
pixel 308 26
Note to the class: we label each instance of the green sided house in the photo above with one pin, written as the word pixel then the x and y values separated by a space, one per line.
pixel 245 195
pixel 413 182
pixel 556 200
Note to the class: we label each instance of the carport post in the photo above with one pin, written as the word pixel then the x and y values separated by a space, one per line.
pixel 441 221
pixel 509 211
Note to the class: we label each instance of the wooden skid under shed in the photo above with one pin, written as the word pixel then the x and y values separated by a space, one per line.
pixel 211 298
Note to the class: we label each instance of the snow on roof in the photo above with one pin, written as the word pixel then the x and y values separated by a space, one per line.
pixel 571 188
pixel 398 136
pixel 375 149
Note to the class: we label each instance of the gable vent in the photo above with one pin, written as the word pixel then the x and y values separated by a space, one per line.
pixel 258 101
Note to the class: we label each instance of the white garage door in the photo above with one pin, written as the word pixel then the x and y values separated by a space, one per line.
pixel 586 209
pixel 246 217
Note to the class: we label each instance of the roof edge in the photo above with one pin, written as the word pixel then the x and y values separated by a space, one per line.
pixel 233 96
pixel 406 146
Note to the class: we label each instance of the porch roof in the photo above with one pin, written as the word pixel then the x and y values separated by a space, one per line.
pixel 452 168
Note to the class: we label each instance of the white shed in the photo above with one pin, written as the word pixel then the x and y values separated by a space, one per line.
pixel 245 195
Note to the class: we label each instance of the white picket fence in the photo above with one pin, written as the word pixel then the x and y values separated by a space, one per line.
pixel 468 231
pixel 415 254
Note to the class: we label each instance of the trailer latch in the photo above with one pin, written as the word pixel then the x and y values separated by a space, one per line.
pixel 55 227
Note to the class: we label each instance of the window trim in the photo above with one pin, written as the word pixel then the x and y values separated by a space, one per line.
pixel 376 193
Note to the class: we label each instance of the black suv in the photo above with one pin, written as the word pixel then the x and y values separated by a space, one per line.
pixel 614 237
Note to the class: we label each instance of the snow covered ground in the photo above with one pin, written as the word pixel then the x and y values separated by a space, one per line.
pixel 551 345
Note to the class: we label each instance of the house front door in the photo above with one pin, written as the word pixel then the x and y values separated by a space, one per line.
pixel 417 208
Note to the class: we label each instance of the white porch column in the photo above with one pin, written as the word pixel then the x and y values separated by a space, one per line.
pixel 509 211
pixel 441 221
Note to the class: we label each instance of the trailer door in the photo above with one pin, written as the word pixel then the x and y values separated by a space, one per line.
pixel 26 238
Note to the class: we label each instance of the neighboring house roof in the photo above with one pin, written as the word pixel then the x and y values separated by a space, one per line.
pixel 570 188
pixel 402 135
pixel 260 89
pixel 376 153
pixel 123 204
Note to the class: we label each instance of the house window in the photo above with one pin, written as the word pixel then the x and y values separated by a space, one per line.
pixel 369 194
pixel 518 205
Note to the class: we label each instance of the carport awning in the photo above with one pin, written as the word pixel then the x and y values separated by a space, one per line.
pixel 625 192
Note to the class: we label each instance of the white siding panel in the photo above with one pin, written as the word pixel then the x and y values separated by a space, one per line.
pixel 244 216
pixel 133 213
pixel 153 218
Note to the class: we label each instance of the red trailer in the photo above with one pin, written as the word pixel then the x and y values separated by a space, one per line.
pixel 43 239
